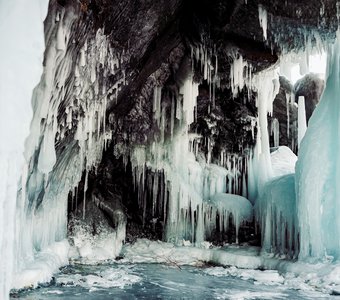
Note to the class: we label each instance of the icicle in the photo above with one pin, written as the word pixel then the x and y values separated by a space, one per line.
pixel 85 190
pixel 275 131
pixel 157 96
pixel 263 18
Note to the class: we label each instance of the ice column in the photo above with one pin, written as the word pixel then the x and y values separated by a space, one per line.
pixel 302 123
pixel 318 171
pixel 268 86
pixel 21 27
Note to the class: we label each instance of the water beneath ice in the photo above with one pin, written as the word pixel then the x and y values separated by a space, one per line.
pixel 156 281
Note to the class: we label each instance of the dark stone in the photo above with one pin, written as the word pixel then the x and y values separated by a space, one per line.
pixel 311 87
pixel 280 113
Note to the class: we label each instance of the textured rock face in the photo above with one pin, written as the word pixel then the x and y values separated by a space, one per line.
pixel 105 59
pixel 311 87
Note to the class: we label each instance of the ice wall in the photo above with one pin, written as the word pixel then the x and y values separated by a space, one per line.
pixel 67 138
pixel 318 169
pixel 21 54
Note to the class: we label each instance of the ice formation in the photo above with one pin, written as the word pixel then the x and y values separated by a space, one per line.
pixel 21 64
pixel 240 74
pixel 184 185
pixel 263 18
pixel 275 211
pixel 226 205
pixel 302 122
pixel 196 196
pixel 275 130
pixel 317 171
pixel 76 113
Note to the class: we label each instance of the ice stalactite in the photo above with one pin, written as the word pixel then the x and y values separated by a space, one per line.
pixel 277 218
pixel 183 182
pixel 203 56
pixel 302 122
pixel 263 19
pixel 275 131
pixel 267 86
pixel 225 206
pixel 21 26
pixel 240 74
pixel 317 171
pixel 275 198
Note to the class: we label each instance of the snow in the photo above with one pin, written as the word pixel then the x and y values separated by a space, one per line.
pixel 317 172
pixel 283 161
pixel 21 67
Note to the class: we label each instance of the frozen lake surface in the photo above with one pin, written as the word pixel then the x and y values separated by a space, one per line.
pixel 156 281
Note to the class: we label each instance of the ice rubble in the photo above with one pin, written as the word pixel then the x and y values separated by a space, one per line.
pixel 317 171
pixel 20 64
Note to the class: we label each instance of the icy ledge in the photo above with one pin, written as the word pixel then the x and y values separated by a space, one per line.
pixel 244 262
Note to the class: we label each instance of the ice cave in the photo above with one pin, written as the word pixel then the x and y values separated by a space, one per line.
pixel 171 149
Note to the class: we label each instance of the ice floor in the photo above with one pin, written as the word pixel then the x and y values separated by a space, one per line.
pixel 161 281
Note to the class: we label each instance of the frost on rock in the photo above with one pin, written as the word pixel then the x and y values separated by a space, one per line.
pixel 317 171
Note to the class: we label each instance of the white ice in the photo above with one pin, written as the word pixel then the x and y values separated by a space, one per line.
pixel 21 54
